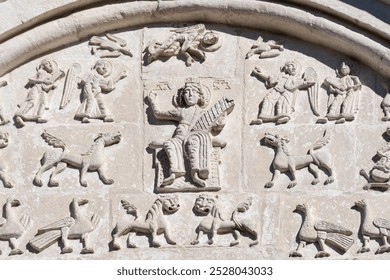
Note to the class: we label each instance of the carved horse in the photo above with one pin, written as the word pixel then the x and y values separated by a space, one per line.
pixel 11 226
pixel 214 224
pixel 154 223
pixel 284 161
pixel 93 160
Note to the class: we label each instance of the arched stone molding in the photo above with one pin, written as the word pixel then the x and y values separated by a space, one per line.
pixel 273 17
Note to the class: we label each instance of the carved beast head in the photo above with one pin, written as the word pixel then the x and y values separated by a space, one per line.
pixel 170 203
pixel 204 204
pixel 110 138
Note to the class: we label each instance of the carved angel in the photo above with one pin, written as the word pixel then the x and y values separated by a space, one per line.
pixel 102 79
pixel 267 49
pixel 46 80
pixel 279 101
pixel 114 46
pixel 343 101
pixel 192 42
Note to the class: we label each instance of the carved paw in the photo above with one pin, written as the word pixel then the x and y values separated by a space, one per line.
pixel 87 251
pixel 195 242
pixel 315 181
pixel 8 185
pixel 382 249
pixel 131 245
pixel 322 254
pixel 53 183
pixel 295 254
pixel 156 244
pixel 115 246
pixel 234 243
pixel 291 185
pixel 269 185
pixel 210 242
pixel 84 183
pixel 171 242
pixel 254 243
pixel 38 182
pixel 367 187
pixel 15 252
pixel 364 250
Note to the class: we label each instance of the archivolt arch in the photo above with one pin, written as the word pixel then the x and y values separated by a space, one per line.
pixel 273 17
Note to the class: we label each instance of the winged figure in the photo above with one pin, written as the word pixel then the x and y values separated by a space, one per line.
pixel 322 232
pixel 102 79
pixel 77 226
pixel 279 101
pixel 114 46
pixel 11 226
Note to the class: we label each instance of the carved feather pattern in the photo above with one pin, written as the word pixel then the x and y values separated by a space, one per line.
pixel 382 223
pixel 53 141
pixel 66 222
pixel 322 142
pixel 95 219
pixel 71 84
pixel 331 228
pixel 339 240
pixel 310 75
pixel 25 220
pixel 45 240
pixel 116 39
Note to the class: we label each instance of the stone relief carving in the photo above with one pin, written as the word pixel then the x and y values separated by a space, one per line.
pixel 12 226
pixel 343 101
pixel 102 79
pixel 279 102
pixel 154 223
pixel 285 162
pixel 386 104
pixel 323 232
pixel 113 47
pixel 372 228
pixel 3 120
pixel 77 226
pixel 267 49
pixel 379 176
pixel 191 148
pixel 4 140
pixel 214 224
pixel 93 160
pixel 190 42
pixel 41 86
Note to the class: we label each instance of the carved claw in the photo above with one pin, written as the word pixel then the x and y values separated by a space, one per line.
pixel 330 180
pixel 364 250
pixel 315 181
pixel 295 254
pixel 195 242
pixel 8 185
pixel 38 181
pixel 87 251
pixel 269 185
pixel 108 181
pixel 292 184
pixel 322 254
pixel 16 252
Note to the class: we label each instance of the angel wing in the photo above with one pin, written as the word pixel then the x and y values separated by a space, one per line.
pixel 382 223
pixel 117 40
pixel 311 77
pixel 200 28
pixel 130 208
pixel 331 228
pixel 71 84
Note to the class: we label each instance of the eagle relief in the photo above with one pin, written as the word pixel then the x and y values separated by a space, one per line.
pixel 189 159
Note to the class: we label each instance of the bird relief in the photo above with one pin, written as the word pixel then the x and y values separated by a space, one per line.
pixel 266 49
pixel 40 90
pixel 379 176
pixel 314 230
pixel 213 223
pixel 317 157
pixel 189 160
pixel 153 224
pixel 343 101
pixel 76 226
pixel 13 226
pixel 94 160
pixel 282 90
pixel 111 47
pixel 102 79
pixel 373 227
pixel 189 42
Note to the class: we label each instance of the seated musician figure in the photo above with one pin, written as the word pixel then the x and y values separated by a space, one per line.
pixel 192 139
